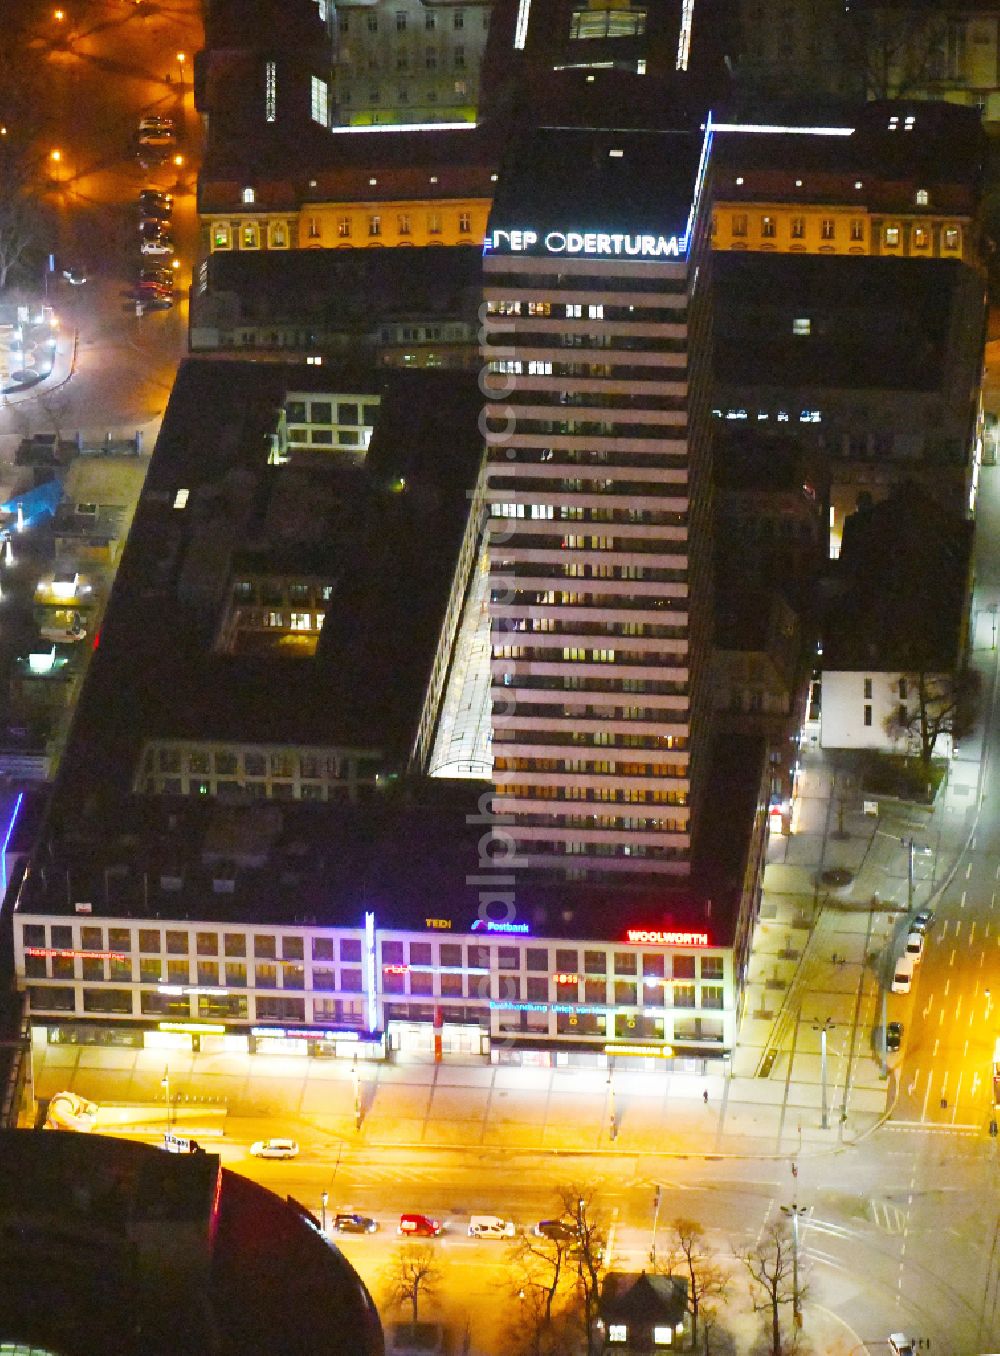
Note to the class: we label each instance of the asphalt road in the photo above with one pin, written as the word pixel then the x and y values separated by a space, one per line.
pixel 99 70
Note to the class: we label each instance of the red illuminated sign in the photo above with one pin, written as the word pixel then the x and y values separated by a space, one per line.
pixel 562 978
pixel 72 955
pixel 648 937
pixel 395 969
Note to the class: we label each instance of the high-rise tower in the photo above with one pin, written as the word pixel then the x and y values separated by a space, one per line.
pixel 597 344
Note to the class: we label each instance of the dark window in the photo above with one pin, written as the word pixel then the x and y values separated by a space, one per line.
pixel 177 943
pixel 451 954
pixel 595 962
pixel 107 1000
pixel 263 946
pixel 567 961
pixel 347 413
pixel 392 953
pixel 421 982
pixel 536 959
pixel 322 948
pixel 51 999
pixel 625 963
pixel 420 953
pixel 207 943
pixel 451 986
pixel 34 934
pixel 683 967
pixel 538 989
pixel 711 967
pixel 350 981
pixel 62 935
pixel 236 944
pixel 295 412
pixel 34 967
pixel 350 949
pixel 324 978
pixel 321 412
pixel 508 958
pixel 92 939
pixel 292 948
pixel 868 715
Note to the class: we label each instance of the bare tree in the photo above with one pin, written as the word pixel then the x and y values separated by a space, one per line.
pixel 705 1277
pixel 931 705
pixel 21 217
pixel 412 1274
pixel 541 1277
pixel 896 49
pixel 588 1253
pixel 770 1264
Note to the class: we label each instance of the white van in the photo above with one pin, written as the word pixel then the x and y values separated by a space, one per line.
pixel 490 1226
pixel 903 974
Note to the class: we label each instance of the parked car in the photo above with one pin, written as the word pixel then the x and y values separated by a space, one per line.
pixel 156 242
pixel 894 1035
pixel 274 1148
pixel 902 975
pixel 154 203
pixel 76 274
pixel 354 1224
pixel 491 1226
pixel 156 303
pixel 923 920
pixel 556 1229
pixel 162 277
pixel 915 945
pixel 153 122
pixel 419 1226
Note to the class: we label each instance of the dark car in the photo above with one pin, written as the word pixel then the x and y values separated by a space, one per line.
pixel 556 1229
pixel 894 1035
pixel 155 197
pixel 923 920
pixel 354 1224
pixel 164 277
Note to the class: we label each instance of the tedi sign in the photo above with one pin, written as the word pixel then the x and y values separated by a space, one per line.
pixel 592 244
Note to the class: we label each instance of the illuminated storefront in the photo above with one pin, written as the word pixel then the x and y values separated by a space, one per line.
pixel 473 987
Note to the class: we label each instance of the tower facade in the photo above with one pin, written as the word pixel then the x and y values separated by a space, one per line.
pixel 597 343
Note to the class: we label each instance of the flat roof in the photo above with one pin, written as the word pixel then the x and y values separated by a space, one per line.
pixel 409 853
pixel 385 532
pixel 873 323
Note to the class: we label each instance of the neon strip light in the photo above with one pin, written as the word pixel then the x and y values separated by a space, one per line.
pixel 684 36
pixel 521 27
pixel 371 971
pixel 699 182
pixel 303 1033
pixel 656 1051
pixel 6 842
pixel 784 131
pixel 406 127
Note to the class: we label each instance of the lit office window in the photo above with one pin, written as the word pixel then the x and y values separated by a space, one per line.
pixel 320 101
pixel 270 91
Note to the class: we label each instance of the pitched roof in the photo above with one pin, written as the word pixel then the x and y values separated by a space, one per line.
pixel 632 1297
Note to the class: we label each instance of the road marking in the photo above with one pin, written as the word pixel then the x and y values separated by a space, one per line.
pixel 958 1091
pixel 937 1042
pixel 941 1016
pixel 962 900
pixel 927 1095
pixel 993 900
pixel 972 932
pixel 947 986
pixel 968 874
pixel 913 1082
pixel 952 960
pixel 958 1008
pixel 975 1079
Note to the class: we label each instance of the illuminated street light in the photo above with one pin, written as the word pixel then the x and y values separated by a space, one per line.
pixel 58 15
pixel 55 156
pixel 181 58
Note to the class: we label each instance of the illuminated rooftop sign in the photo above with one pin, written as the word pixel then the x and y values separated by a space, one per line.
pixel 589 244
pixel 488 925
pixel 647 937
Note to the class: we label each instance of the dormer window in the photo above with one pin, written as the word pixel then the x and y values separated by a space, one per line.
pixel 922 197
pixel 248 195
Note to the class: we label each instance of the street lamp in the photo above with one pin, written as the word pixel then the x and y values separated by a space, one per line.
pixel 324 1201
pixel 824 1116
pixel 165 1085
pixel 181 58
pixel 793 1212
